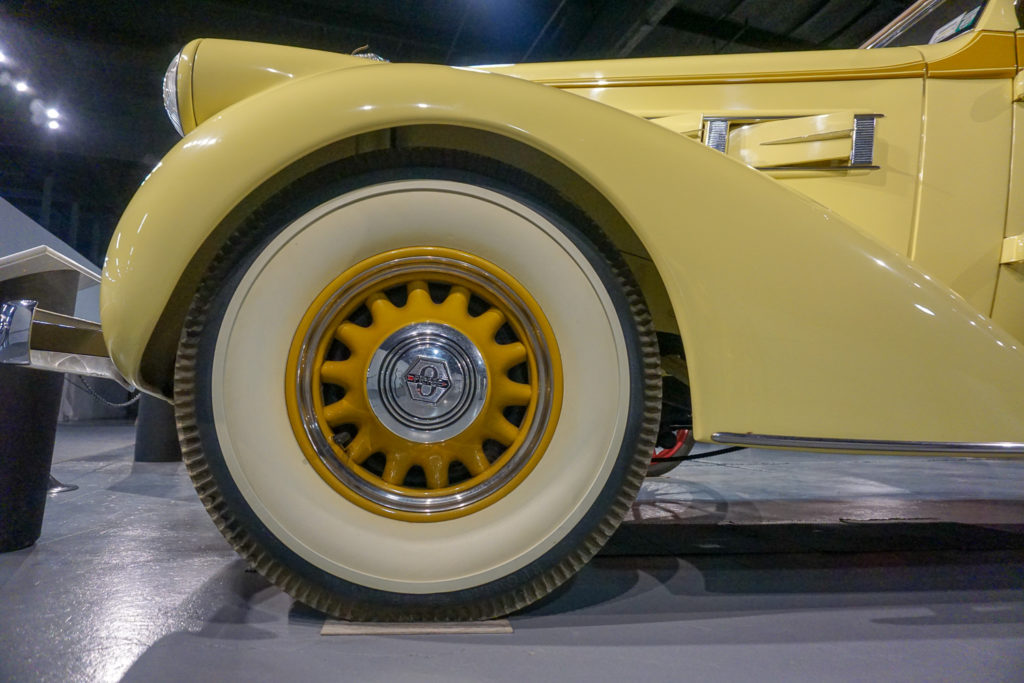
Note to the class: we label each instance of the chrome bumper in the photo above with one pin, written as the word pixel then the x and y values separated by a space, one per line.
pixel 40 339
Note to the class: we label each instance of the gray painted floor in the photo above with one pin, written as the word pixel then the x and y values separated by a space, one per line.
pixel 774 566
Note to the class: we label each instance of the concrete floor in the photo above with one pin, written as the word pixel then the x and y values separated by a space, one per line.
pixel 773 566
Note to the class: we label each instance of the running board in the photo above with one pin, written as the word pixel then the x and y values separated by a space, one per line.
pixel 43 340
pixel 867 445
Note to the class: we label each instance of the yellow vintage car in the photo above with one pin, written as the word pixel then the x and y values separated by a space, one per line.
pixel 416 320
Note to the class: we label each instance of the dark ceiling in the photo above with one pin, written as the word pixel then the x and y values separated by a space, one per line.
pixel 100 64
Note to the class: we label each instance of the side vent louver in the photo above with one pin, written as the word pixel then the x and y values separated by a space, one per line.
pixel 838 141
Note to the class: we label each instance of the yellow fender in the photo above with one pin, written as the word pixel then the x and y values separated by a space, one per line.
pixel 794 322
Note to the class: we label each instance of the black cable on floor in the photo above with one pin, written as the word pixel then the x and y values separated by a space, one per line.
pixel 720 451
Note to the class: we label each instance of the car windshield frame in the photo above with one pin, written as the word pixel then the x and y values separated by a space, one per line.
pixel 917 17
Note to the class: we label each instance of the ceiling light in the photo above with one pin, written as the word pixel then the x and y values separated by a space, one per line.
pixel 21 86
pixel 52 113
pixel 3 58
pixel 53 125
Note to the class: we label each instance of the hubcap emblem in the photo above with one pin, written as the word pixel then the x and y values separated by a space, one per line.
pixel 428 380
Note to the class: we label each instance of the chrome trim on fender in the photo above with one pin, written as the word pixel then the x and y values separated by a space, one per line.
pixel 863 152
pixel 817 168
pixel 715 134
pixel 868 445
pixel 43 340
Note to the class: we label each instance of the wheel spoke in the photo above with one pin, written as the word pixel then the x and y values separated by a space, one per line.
pixel 436 469
pixel 509 393
pixel 397 467
pixel 353 336
pixel 507 356
pixel 456 304
pixel 341 372
pixel 380 307
pixel 476 462
pixel 359 448
pixel 489 322
pixel 342 412
pixel 419 295
pixel 501 430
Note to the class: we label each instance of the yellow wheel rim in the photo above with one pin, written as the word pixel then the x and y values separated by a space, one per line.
pixel 423 384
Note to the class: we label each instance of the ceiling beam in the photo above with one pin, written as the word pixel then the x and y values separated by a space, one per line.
pixel 620 26
pixel 732 31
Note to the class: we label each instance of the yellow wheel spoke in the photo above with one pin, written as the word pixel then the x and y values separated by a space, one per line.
pixel 359 448
pixel 342 412
pixel 353 336
pixel 456 305
pixel 380 307
pixel 489 322
pixel 397 467
pixel 419 295
pixel 436 469
pixel 507 356
pixel 475 462
pixel 501 430
pixel 509 393
pixel 344 373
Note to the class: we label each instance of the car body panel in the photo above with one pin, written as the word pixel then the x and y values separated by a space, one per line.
pixel 979 54
pixel 732 69
pixel 780 301
pixel 881 201
pixel 957 89
pixel 797 319
pixel 963 185
pixel 234 70
pixel 1009 299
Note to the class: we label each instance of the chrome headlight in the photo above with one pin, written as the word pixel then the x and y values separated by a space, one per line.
pixel 171 93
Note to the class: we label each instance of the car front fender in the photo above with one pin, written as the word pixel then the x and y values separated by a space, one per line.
pixel 794 322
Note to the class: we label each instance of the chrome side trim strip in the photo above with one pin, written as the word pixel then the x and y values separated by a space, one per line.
pixel 867 445
pixel 818 168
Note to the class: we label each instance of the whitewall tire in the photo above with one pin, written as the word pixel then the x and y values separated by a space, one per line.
pixel 391 263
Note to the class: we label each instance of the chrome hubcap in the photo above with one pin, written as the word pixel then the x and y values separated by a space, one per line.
pixel 427 382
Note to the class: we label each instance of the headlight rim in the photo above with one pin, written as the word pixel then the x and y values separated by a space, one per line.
pixel 170 92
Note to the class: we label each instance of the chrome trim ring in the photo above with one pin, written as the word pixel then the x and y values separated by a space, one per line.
pixel 328 451
pixel 427 382
pixel 170 92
